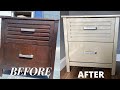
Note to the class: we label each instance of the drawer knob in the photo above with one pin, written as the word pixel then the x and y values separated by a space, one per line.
pixel 26 56
pixel 90 28
pixel 27 30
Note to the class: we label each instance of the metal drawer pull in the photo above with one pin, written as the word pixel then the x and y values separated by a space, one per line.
pixel 90 28
pixel 90 52
pixel 26 56
pixel 27 30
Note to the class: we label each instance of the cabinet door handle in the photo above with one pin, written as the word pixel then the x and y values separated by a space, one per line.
pixel 90 52
pixel 26 56
pixel 27 30
pixel 90 28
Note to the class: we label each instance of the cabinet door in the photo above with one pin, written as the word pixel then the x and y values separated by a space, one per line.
pixel 27 55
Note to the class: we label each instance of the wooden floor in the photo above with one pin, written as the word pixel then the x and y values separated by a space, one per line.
pixel 75 70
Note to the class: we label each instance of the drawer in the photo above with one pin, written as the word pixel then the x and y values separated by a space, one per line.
pixel 89 52
pixel 39 32
pixel 27 55
pixel 91 29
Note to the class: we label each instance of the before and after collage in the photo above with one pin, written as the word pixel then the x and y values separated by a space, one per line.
pixel 59 45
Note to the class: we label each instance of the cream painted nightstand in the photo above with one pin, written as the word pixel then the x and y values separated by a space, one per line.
pixel 91 40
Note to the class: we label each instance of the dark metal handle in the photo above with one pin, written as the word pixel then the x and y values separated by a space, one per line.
pixel 26 56
pixel 27 30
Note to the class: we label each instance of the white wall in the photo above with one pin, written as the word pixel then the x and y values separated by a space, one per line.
pixel 93 12
pixel 55 15
pixel 62 47
pixel 5 13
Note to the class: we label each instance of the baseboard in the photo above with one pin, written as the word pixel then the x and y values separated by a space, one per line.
pixel 118 57
pixel 62 63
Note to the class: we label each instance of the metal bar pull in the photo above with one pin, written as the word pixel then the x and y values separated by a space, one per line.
pixel 90 52
pixel 27 30
pixel 26 56
pixel 90 28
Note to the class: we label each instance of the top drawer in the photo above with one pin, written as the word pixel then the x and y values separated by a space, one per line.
pixel 29 31
pixel 91 29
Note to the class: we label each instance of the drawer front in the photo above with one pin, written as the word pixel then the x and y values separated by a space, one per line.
pixel 90 52
pixel 91 29
pixel 27 55
pixel 39 32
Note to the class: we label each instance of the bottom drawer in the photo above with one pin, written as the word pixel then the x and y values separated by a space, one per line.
pixel 90 52
pixel 24 55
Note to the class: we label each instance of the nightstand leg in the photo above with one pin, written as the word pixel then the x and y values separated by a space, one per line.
pixel 113 68
pixel 1 72
pixel 51 76
pixel 113 71
pixel 68 68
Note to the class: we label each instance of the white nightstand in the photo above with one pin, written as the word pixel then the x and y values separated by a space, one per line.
pixel 91 40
